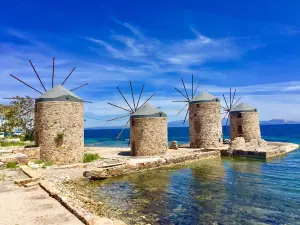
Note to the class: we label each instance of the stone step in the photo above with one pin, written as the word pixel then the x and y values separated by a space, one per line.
pixel 19 158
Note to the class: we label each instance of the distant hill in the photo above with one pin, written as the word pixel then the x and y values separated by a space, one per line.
pixel 277 122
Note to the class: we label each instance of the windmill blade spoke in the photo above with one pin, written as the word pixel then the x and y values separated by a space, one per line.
pixel 187 111
pixel 132 96
pixel 233 98
pixel 226 125
pixel 185 89
pixel 226 102
pixel 68 76
pixel 180 101
pixel 147 100
pixel 182 109
pixel 119 107
pixel 196 89
pixel 125 99
pixel 192 86
pixel 25 83
pixel 225 116
pixel 18 98
pixel 79 87
pixel 53 72
pixel 137 105
pixel 123 129
pixel 117 118
pixel 236 102
pixel 223 107
pixel 29 111
pixel 182 94
pixel 92 118
pixel 37 75
pixel 230 98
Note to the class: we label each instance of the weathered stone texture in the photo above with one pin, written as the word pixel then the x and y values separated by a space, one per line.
pixel 238 144
pixel 64 118
pixel 36 127
pixel 148 136
pixel 249 123
pixel 205 125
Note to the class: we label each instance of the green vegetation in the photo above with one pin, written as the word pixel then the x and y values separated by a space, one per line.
pixel 89 157
pixel 11 165
pixel 18 114
pixel 47 164
pixel 8 144
pixel 59 138
pixel 2 176
pixel 38 161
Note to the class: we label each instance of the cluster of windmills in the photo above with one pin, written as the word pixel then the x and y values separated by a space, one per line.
pixel 59 121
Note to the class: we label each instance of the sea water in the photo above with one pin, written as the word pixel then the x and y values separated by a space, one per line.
pixel 224 191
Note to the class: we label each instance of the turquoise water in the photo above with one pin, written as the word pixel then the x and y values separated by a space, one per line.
pixel 223 191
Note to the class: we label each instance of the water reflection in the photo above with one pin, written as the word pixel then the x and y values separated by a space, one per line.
pixel 211 192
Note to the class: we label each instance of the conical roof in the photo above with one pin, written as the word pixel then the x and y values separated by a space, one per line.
pixel 59 93
pixel 204 96
pixel 148 110
pixel 243 107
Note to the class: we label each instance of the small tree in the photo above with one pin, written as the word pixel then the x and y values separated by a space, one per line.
pixel 21 114
pixel 4 110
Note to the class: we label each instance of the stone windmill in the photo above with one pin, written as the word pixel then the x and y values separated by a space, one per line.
pixel 244 120
pixel 148 126
pixel 204 118
pixel 59 122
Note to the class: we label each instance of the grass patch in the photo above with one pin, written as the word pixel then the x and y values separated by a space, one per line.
pixel 38 161
pixel 89 157
pixel 11 165
pixel 47 164
pixel 8 144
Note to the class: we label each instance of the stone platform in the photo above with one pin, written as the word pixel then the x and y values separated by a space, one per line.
pixel 129 164
pixel 271 149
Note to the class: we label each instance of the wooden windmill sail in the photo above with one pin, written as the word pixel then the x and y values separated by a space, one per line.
pixel 186 96
pixel 59 121
pixel 41 82
pixel 131 108
pixel 230 103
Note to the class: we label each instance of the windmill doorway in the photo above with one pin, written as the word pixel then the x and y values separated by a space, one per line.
pixel 240 131
pixel 133 150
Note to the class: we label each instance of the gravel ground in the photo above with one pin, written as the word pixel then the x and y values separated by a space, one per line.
pixel 29 206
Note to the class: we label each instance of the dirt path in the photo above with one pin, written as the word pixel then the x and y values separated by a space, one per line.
pixel 26 206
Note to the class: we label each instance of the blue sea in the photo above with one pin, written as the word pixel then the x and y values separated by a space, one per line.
pixel 225 191
pixel 107 137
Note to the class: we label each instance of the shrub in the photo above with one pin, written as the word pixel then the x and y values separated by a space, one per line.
pixel 8 144
pixel 59 139
pixel 89 157
pixel 48 163
pixel 11 165
pixel 38 161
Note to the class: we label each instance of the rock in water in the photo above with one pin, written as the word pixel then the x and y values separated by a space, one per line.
pixel 174 145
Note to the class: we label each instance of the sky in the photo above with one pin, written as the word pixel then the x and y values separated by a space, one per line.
pixel 252 46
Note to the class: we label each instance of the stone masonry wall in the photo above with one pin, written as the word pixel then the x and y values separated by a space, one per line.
pixel 149 136
pixel 249 122
pixel 36 127
pixel 64 119
pixel 205 125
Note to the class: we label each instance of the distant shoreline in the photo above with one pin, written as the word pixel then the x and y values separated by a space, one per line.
pixel 117 128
